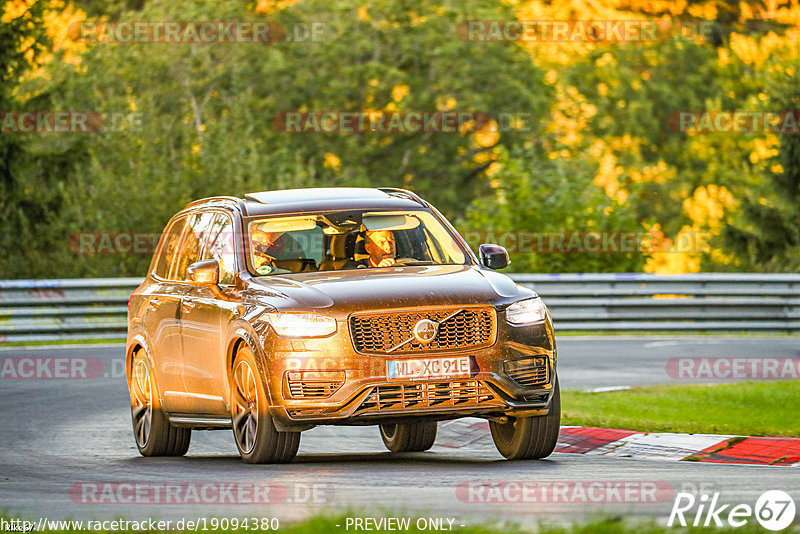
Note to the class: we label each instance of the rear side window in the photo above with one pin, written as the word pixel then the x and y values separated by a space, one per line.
pixel 220 247
pixel 171 239
pixel 193 238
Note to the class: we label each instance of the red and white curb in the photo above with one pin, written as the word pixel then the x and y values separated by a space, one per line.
pixel 703 448
pixel 706 448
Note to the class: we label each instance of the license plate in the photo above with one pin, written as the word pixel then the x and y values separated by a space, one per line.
pixel 428 368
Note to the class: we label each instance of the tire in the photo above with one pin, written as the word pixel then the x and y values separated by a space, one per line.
pixel 256 437
pixel 412 437
pixel 528 438
pixel 154 434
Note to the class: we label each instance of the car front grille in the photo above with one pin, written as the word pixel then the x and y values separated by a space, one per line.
pixel 469 328
pixel 528 372
pixel 428 395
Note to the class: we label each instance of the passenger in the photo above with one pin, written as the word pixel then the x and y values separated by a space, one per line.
pixel 379 244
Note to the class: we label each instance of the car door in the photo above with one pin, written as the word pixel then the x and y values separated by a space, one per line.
pixel 162 320
pixel 205 312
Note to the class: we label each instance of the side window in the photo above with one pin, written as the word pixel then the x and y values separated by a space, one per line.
pixel 220 247
pixel 196 229
pixel 171 239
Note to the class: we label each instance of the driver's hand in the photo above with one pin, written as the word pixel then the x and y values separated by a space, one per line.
pixel 386 262
pixel 263 259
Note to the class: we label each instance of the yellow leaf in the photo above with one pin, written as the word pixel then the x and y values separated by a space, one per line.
pixel 331 161
pixel 399 91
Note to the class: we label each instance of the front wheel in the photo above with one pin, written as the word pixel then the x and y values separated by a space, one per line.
pixel 527 438
pixel 256 437
pixel 155 435
pixel 412 437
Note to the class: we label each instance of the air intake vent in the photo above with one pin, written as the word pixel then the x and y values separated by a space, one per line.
pixel 420 396
pixel 313 384
pixel 528 372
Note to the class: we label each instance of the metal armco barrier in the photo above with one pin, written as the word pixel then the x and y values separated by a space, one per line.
pixel 44 310
pixel 705 301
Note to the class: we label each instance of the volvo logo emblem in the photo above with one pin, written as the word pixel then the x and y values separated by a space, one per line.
pixel 425 331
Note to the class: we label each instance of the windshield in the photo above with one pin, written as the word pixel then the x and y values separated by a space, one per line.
pixel 350 240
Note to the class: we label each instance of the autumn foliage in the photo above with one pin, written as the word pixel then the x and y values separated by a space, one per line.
pixel 575 135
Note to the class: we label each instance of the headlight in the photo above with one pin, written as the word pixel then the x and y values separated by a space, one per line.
pixel 300 324
pixel 529 311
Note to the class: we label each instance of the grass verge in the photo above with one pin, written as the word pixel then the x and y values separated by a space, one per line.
pixel 745 408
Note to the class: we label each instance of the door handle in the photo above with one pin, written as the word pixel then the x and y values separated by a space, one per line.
pixel 154 303
pixel 188 305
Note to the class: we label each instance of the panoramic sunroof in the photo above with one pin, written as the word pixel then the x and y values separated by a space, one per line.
pixel 295 195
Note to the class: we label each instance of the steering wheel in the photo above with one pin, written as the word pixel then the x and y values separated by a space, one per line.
pixel 267 263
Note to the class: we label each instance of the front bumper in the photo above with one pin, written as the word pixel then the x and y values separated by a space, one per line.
pixel 349 388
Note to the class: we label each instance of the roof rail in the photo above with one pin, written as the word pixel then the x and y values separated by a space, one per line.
pixel 237 201
pixel 406 192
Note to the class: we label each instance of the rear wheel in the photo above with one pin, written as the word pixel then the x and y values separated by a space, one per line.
pixel 255 434
pixel 527 438
pixel 412 437
pixel 155 435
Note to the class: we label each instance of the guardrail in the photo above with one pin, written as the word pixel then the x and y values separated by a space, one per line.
pixel 705 301
pixel 45 310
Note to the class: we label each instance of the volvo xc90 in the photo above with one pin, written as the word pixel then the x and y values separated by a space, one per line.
pixel 289 309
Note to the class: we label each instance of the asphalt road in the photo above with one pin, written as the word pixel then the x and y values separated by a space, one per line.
pixel 64 442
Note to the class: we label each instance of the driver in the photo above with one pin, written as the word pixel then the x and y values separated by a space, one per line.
pixel 264 250
pixel 379 244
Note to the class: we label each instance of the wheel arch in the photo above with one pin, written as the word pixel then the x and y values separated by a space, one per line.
pixel 136 342
pixel 242 336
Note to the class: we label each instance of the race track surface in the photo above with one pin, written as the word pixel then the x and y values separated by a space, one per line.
pixel 59 437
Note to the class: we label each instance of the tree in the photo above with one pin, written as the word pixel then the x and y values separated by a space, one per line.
pixel 31 168
pixel 765 233
pixel 540 204
pixel 207 111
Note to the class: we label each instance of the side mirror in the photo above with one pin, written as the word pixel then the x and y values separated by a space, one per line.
pixel 203 273
pixel 494 256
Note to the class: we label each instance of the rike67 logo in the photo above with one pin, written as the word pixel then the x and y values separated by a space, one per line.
pixel 774 510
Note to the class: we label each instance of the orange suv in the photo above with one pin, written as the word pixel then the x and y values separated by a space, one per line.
pixel 336 306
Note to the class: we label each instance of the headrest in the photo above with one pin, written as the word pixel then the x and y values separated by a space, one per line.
pixel 339 246
pixel 360 253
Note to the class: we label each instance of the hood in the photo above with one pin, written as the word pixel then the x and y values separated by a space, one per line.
pixel 393 287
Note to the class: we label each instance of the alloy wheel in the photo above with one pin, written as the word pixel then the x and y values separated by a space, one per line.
pixel 142 406
pixel 245 399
